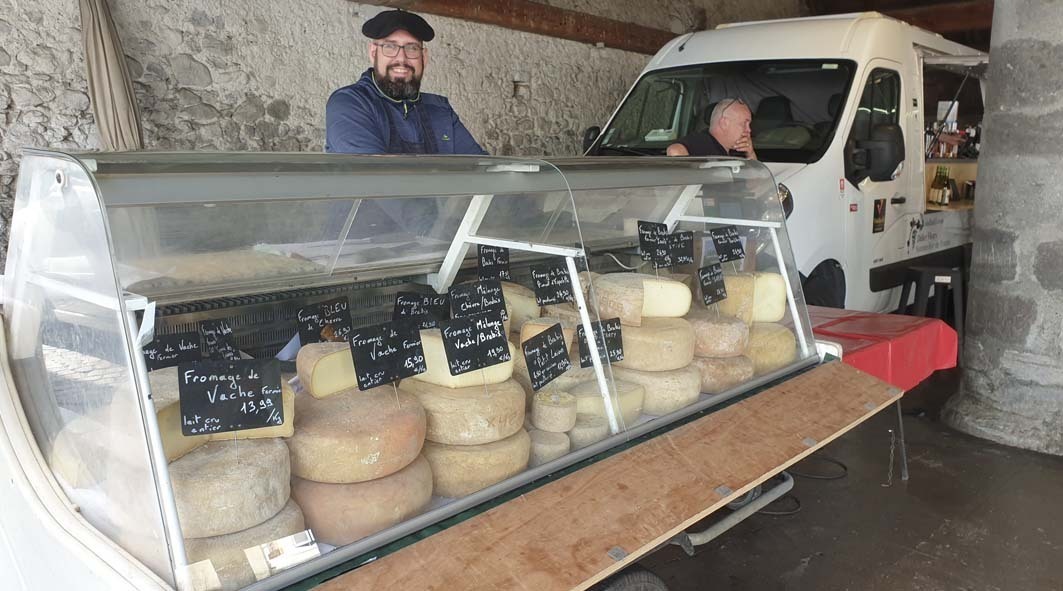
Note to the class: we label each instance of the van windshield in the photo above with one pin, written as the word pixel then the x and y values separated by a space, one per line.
pixel 796 106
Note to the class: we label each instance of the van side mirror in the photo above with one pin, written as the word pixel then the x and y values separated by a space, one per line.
pixel 589 136
pixel 876 157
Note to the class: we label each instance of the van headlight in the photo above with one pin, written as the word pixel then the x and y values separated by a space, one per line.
pixel 786 198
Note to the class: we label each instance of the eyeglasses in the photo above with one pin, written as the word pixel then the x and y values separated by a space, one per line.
pixel 412 50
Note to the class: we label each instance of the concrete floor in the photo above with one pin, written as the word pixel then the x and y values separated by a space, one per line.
pixel 974 517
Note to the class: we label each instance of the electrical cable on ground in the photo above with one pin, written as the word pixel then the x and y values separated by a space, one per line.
pixel 796 502
pixel 829 460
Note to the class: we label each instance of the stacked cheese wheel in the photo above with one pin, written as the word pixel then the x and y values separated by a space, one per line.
pixel 232 489
pixel 356 456
pixel 759 301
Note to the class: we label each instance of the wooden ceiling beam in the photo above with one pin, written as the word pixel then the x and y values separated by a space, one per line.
pixel 949 17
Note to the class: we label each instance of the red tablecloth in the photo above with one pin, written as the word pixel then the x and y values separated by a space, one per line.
pixel 900 350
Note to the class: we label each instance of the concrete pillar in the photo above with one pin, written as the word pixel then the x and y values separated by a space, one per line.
pixel 1012 389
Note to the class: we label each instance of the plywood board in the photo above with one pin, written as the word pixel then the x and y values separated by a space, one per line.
pixel 580 529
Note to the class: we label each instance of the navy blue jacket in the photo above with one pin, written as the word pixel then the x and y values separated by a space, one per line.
pixel 361 119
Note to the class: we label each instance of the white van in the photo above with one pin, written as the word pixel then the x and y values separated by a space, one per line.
pixel 839 117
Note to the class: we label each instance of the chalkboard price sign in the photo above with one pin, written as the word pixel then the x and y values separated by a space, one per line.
pixel 386 352
pixel 552 284
pixel 608 338
pixel 681 248
pixel 218 340
pixel 713 288
pixel 728 244
pixel 428 309
pixel 547 356
pixel 469 299
pixel 224 396
pixel 493 262
pixel 172 349
pixel 474 342
pixel 653 243
pixel 327 321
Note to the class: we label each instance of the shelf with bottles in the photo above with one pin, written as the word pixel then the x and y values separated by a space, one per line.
pixel 946 140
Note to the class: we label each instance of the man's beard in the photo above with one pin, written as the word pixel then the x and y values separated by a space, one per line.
pixel 399 89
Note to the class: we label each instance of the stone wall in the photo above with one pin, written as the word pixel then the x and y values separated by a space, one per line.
pixel 255 74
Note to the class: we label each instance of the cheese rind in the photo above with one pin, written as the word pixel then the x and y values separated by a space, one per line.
pixel 226 552
pixel 666 391
pixel 228 486
pixel 771 347
pixel 521 302
pixel 339 514
pixel 538 325
pixel 589 429
pixel 326 369
pixel 167 400
pixel 439 372
pixel 627 402
pixel 469 416
pixel 720 374
pixel 660 344
pixel 356 436
pixel 754 297
pixel 634 296
pixel 553 411
pixel 460 470
pixel 716 335
pixel 547 446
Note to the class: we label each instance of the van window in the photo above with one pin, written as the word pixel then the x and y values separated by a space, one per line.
pixel 796 105
pixel 880 104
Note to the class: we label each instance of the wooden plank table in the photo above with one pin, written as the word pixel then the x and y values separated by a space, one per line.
pixel 578 530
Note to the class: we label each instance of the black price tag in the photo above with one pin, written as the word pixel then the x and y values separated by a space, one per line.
pixel 474 342
pixel 552 284
pixel 728 244
pixel 469 299
pixel 223 396
pixel 327 321
pixel 493 262
pixel 681 248
pixel 653 243
pixel 428 310
pixel 713 288
pixel 172 349
pixel 547 356
pixel 608 338
pixel 218 341
pixel 386 352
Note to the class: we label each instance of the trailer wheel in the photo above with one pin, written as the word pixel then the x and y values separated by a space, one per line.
pixel 635 578
pixel 825 285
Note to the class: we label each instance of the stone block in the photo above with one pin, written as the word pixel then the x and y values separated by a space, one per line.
pixel 189 71
pixel 249 111
pixel 1048 264
pixel 279 109
pixel 1002 316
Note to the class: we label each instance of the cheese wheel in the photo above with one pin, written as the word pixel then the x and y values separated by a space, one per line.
pixel 564 312
pixel 167 400
pixel 469 416
pixel 586 278
pixel 228 486
pixel 439 372
pixel 553 411
pixel 716 335
pixel 356 436
pixel 660 344
pixel 771 347
pixel 325 368
pixel 339 514
pixel 588 429
pixel 685 278
pixel 226 552
pixel 666 391
pixel 538 325
pixel 718 375
pixel 521 303
pixel 459 470
pixel 627 402
pixel 547 446
pixel 754 297
pixel 634 296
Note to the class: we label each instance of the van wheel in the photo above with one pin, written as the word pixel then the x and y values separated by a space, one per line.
pixel 825 285
pixel 635 578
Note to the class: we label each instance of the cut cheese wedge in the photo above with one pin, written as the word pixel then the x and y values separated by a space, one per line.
pixel 719 375
pixel 716 335
pixel 660 344
pixel 771 347
pixel 589 429
pixel 666 391
pixel 627 401
pixel 439 372
pixel 754 297
pixel 356 436
pixel 326 368
pixel 521 303
pixel 167 400
pixel 553 411
pixel 470 416
pixel 634 296
pixel 460 470
pixel 547 446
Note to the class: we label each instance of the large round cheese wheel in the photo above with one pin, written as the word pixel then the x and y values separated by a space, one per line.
pixel 226 553
pixel 771 347
pixel 469 416
pixel 166 398
pixel 627 403
pixel 565 312
pixel 716 335
pixel 634 296
pixel 459 470
pixel 754 297
pixel 666 391
pixel 720 374
pixel 356 436
pixel 439 372
pixel 229 486
pixel 547 446
pixel 339 514
pixel 521 303
pixel 553 410
pixel 660 344
pixel 588 429
pixel 326 368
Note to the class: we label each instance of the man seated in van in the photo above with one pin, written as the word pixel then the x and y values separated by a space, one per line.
pixel 728 133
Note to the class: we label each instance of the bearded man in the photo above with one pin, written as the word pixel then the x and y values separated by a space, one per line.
pixel 385 112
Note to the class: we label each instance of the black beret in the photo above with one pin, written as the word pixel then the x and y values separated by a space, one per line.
pixel 389 21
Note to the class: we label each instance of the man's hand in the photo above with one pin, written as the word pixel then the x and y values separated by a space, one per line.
pixel 745 144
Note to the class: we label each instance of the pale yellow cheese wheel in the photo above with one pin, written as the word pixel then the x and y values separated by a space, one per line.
pixel 325 368
pixel 589 429
pixel 720 374
pixel 538 325
pixel 228 486
pixel 356 436
pixel 460 470
pixel 439 372
pixel 469 416
pixel 771 347
pixel 166 398
pixel 626 402
pixel 716 335
pixel 754 297
pixel 660 344
pixel 634 296
pixel 521 303
pixel 226 552
pixel 553 411
pixel 547 446
pixel 564 312
pixel 666 391
pixel 339 514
